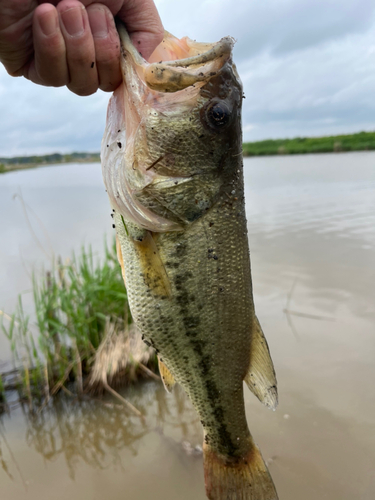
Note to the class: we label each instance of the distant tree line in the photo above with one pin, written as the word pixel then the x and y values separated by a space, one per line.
pixel 51 158
pixel 362 141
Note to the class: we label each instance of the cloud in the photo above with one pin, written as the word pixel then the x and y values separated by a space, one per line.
pixel 321 90
pixel 37 120
pixel 306 65
pixel 268 25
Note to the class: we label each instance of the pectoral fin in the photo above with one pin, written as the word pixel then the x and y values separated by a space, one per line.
pixel 152 267
pixel 261 377
pixel 120 259
pixel 166 376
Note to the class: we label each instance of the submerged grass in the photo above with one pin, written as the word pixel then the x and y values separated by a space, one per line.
pixel 81 311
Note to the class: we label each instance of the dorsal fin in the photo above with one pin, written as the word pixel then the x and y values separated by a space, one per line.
pixel 261 377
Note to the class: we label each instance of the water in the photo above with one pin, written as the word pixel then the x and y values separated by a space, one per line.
pixel 47 212
pixel 312 240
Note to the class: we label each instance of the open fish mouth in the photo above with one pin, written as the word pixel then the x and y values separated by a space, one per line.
pixel 183 82
pixel 177 63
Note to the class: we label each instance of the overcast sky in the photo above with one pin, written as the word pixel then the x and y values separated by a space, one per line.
pixel 308 68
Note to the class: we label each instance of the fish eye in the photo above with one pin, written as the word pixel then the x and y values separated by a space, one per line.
pixel 217 115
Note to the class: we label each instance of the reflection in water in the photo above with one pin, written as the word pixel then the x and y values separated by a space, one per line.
pixel 3 462
pixel 95 431
pixel 314 451
pixel 90 432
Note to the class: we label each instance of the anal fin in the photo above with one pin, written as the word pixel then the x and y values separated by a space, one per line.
pixel 166 376
pixel 261 377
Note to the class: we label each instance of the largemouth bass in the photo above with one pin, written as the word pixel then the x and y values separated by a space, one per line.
pixel 172 166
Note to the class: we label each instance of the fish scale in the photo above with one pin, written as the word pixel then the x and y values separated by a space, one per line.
pixel 210 299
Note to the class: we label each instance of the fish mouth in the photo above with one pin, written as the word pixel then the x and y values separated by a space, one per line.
pixel 176 64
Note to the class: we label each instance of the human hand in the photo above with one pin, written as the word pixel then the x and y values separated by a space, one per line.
pixel 73 43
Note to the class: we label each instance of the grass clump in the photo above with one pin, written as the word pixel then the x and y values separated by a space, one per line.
pixel 81 311
pixel 74 303
pixel 362 141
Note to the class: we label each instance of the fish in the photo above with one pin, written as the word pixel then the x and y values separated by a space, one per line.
pixel 172 167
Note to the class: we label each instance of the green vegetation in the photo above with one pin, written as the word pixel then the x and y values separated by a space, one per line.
pixel 83 328
pixel 363 141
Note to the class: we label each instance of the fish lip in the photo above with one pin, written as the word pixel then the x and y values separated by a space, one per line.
pixel 218 49
pixel 126 44
pixel 178 74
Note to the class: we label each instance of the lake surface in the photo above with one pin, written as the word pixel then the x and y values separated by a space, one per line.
pixel 312 240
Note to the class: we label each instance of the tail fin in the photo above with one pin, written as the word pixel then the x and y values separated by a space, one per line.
pixel 247 479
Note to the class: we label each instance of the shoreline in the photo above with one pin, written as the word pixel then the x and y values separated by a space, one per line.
pixel 361 141
pixel 28 166
pixel 13 167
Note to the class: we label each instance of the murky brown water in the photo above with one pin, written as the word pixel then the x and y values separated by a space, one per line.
pixel 312 240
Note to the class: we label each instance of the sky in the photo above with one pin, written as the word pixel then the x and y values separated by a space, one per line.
pixel 307 66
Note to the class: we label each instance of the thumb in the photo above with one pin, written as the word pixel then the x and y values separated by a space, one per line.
pixel 144 25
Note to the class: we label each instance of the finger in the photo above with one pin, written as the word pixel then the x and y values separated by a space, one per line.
pixel 107 46
pixel 16 47
pixel 49 66
pixel 80 50
pixel 143 24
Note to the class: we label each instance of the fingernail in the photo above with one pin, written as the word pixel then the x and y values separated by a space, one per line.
pixel 48 23
pixel 98 22
pixel 73 21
